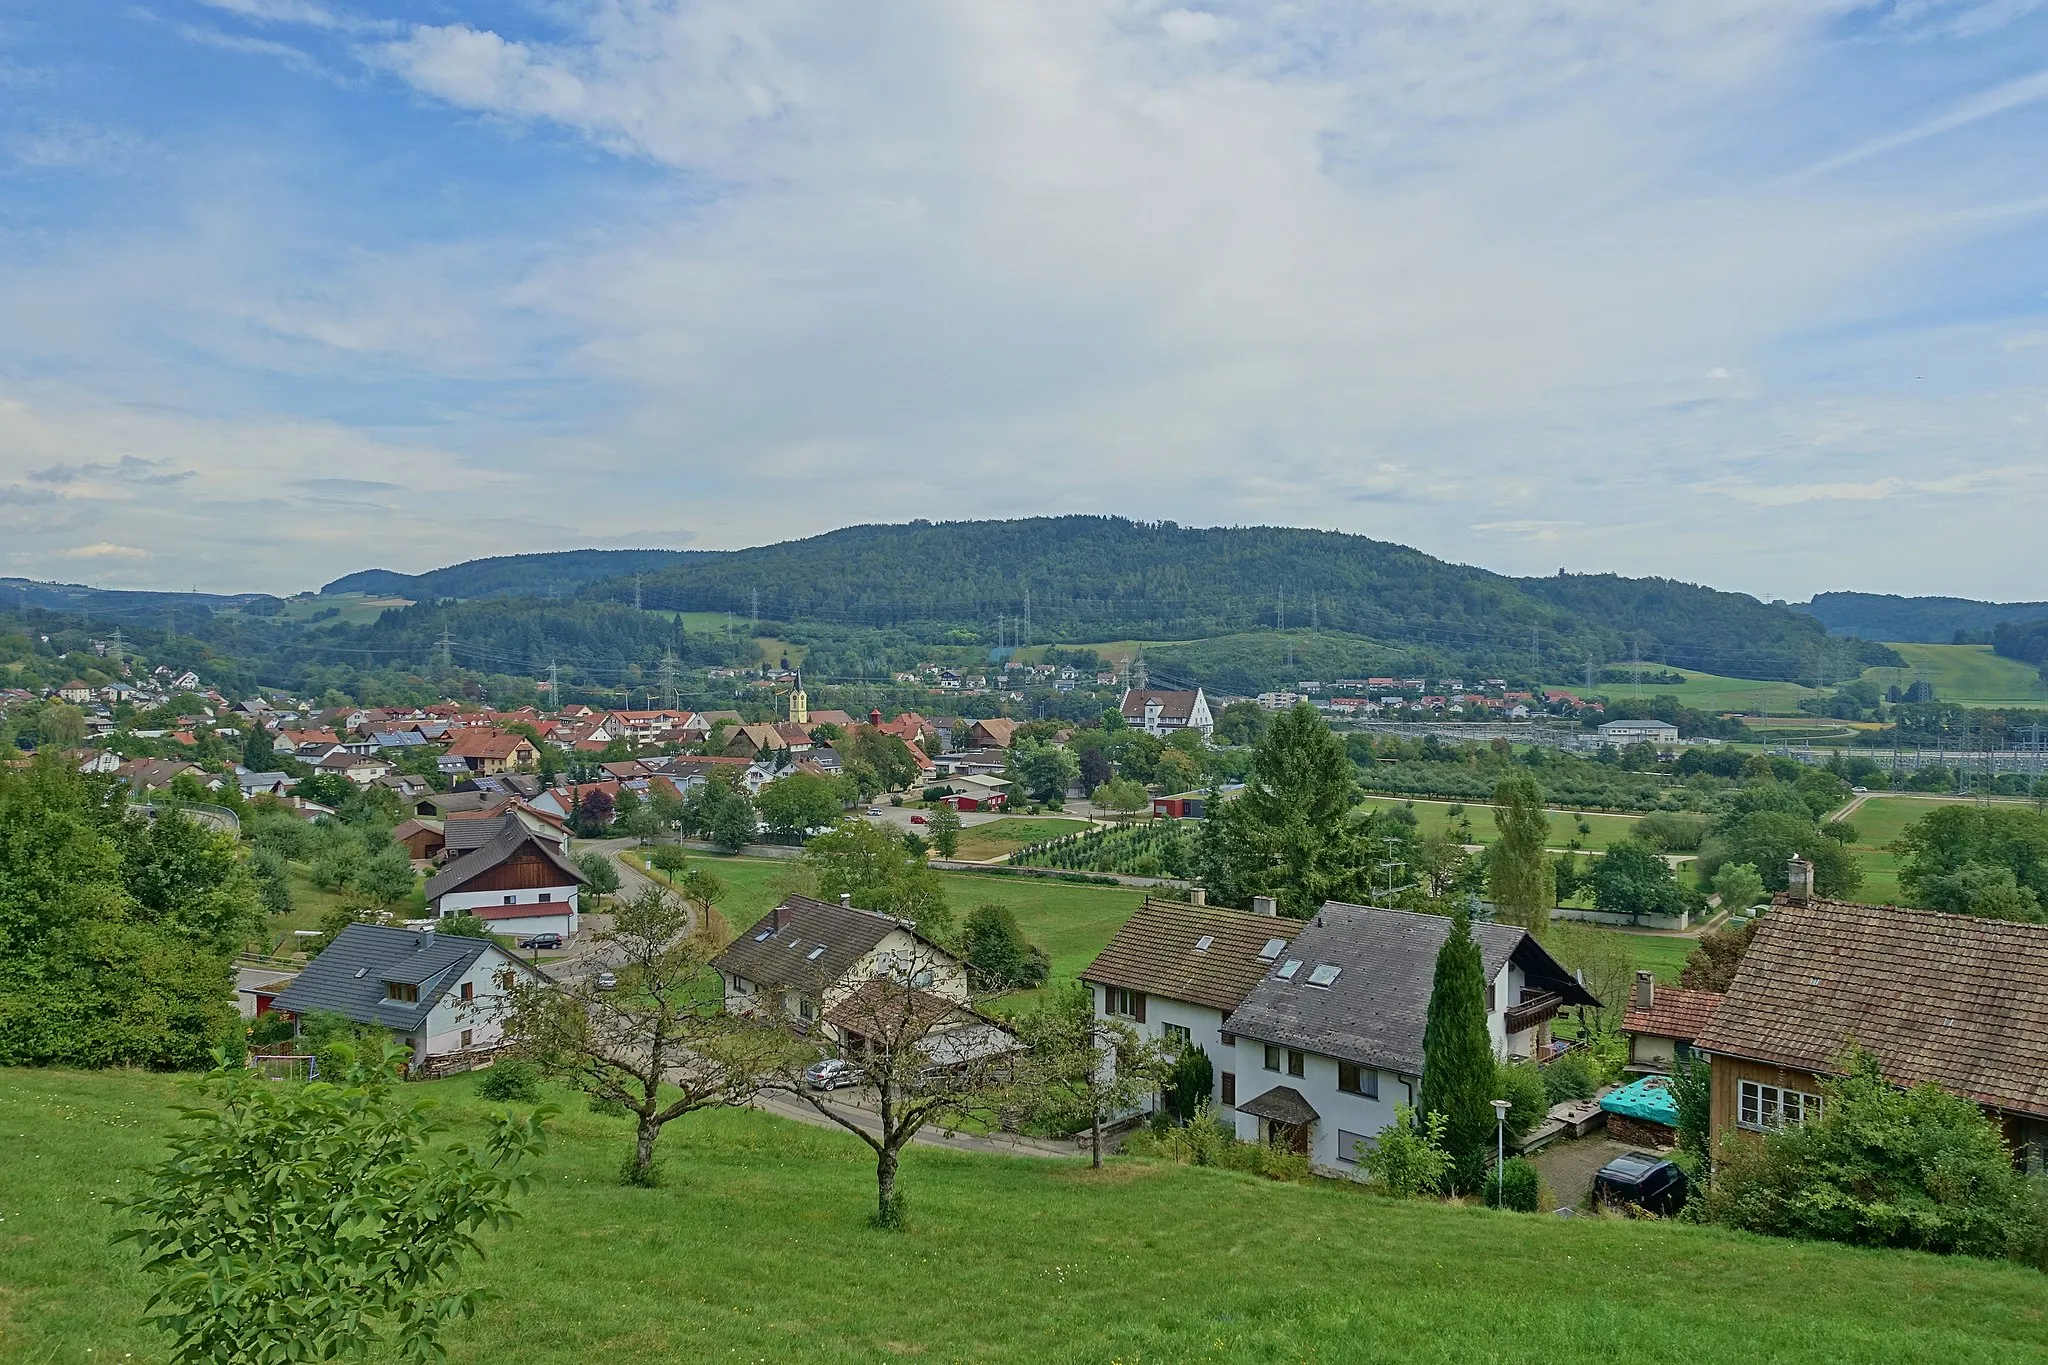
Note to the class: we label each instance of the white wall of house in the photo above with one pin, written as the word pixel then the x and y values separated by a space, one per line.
pixel 452 1017
pixel 1346 1118
pixel 898 948
pixel 540 909
pixel 1204 1029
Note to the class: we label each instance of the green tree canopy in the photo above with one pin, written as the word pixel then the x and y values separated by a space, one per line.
pixel 797 802
pixel 1457 1054
pixel 1518 872
pixel 872 866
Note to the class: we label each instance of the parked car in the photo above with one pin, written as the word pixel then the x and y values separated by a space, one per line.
pixel 539 941
pixel 1648 1182
pixel 918 820
pixel 831 1074
pixel 607 981
pixel 874 810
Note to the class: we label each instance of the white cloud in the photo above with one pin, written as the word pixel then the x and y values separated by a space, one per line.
pixel 104 549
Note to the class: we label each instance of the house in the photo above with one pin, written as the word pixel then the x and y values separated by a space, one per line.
pixel 1954 1001
pixel 265 784
pixel 440 804
pixel 422 838
pixel 145 775
pixel 520 882
pixel 97 760
pixel 439 993
pixel 1181 806
pixel 995 732
pixel 494 751
pixel 1161 713
pixel 462 833
pixel 808 956
pixel 1329 1041
pixel 1621 733
pixel 361 769
pixel 752 741
pixel 76 692
pixel 1178 971
pixel 1663 1022
pixel 408 787
pixel 976 791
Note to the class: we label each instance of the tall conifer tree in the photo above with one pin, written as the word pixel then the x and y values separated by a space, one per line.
pixel 1457 1054
pixel 1519 875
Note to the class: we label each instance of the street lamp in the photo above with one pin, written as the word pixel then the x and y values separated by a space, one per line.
pixel 1500 1152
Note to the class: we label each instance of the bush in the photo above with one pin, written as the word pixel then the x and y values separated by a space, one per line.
pixel 1522 1085
pixel 1514 1186
pixel 1189 1085
pixel 609 1106
pixel 1409 1161
pixel 272 1026
pixel 669 858
pixel 511 1079
pixel 1568 1078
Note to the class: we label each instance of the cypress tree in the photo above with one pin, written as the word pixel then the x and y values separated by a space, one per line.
pixel 1519 876
pixel 1457 1054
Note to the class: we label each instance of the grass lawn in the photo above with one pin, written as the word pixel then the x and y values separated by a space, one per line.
pixel 1708 692
pixel 1661 955
pixel 1879 821
pixel 1969 674
pixel 310 904
pixel 355 608
pixel 1433 817
pixel 756 1249
pixel 998 837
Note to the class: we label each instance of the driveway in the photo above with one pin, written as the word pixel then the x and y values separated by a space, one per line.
pixel 1567 1168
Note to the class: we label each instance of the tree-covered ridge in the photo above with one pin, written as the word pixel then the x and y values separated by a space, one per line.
pixel 1098 578
pixel 1915 620
pixel 559 574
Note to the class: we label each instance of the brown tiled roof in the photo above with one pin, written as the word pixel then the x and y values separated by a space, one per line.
pixel 1155 953
pixel 1954 1000
pixel 481 743
pixel 1172 705
pixel 1673 1013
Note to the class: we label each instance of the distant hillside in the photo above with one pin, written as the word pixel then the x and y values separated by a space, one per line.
pixel 1098 578
pixel 561 574
pixel 1916 620
pixel 119 605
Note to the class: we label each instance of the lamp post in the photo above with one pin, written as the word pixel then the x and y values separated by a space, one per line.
pixel 1500 1152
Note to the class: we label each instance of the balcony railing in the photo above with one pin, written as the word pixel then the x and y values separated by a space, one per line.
pixel 1536 1007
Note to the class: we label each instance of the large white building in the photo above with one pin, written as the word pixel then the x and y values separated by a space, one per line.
pixel 1625 732
pixel 1161 713
pixel 520 883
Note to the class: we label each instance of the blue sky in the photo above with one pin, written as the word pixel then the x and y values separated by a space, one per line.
pixel 1749 292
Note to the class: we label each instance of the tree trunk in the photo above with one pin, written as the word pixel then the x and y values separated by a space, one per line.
pixel 1095 1140
pixel 885 1186
pixel 643 1151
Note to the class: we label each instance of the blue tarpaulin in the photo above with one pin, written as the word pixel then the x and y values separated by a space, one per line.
pixel 1648 1099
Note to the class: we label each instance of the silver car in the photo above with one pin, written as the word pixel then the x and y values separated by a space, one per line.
pixel 607 981
pixel 831 1074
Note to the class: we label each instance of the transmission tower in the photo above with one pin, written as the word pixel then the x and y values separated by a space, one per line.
pixel 114 649
pixel 668 680
pixel 755 619
pixel 444 652
pixel 554 686
pixel 636 592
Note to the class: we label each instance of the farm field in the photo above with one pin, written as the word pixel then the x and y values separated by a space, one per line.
pixel 756 1248
pixel 1434 817
pixel 1708 692
pixel 352 609
pixel 1879 821
pixel 1968 674
pixel 981 843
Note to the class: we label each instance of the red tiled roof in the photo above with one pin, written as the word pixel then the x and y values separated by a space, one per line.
pixel 1673 1013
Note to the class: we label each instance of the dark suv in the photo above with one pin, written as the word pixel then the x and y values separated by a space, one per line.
pixel 1647 1182
pixel 539 941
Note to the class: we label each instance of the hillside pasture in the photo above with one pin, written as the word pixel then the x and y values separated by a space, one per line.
pixel 1969 675
pixel 1705 692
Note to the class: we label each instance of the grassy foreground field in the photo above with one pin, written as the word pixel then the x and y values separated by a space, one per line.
pixel 1967 674
pixel 756 1249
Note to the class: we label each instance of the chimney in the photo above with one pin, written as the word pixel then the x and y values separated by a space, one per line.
pixel 1198 895
pixel 846 899
pixel 1799 879
pixel 1268 906
pixel 1646 991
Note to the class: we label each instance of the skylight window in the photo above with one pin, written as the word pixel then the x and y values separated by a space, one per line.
pixel 1274 947
pixel 1289 968
pixel 764 936
pixel 1205 942
pixel 1324 974
pixel 814 954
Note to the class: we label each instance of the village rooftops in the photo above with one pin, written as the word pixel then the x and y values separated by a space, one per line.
pixel 1205 955
pixel 803 943
pixel 1955 1001
pixel 511 839
pixel 350 975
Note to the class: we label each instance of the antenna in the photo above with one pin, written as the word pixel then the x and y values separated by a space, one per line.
pixel 755 620
pixel 636 592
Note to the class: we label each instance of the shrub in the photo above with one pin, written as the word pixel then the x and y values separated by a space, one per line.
pixel 1568 1078
pixel 1189 1085
pixel 1513 1186
pixel 609 1106
pixel 511 1079
pixel 1410 1160
pixel 1522 1085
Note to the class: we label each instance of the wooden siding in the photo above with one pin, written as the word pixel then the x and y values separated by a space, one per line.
pixel 521 872
pixel 1731 1071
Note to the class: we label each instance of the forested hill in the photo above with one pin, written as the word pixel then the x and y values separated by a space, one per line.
pixel 1916 620
pixel 560 574
pixel 1083 578
pixel 120 606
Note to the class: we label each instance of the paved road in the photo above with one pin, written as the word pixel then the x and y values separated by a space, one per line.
pixel 1000 1144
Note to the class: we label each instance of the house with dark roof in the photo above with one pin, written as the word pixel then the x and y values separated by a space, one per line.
pixel 1177 971
pixel 438 993
pixel 1329 1040
pixel 1954 1001
pixel 1161 713
pixel 805 957
pixel 520 882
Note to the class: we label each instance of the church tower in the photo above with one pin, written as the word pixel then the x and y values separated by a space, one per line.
pixel 800 704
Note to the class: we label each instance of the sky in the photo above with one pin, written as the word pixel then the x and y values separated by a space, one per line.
pixel 1746 292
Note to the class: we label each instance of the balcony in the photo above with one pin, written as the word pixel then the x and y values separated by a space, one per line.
pixel 1536 1007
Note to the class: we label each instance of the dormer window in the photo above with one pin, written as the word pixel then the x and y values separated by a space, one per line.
pixel 402 990
pixel 1274 947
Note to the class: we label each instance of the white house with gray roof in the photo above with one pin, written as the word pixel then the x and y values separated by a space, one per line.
pixel 1329 1042
pixel 437 993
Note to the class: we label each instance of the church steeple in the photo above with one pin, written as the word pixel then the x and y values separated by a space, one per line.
pixel 799 703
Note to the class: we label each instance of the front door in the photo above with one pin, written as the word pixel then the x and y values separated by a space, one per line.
pixel 1290 1137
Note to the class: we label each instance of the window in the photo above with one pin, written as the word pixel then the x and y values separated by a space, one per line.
pixel 1361 1081
pixel 1770 1107
pixel 1489 997
pixel 1348 1144
pixel 401 990
pixel 1177 1035
pixel 1124 1001
pixel 1274 947
pixel 806 1008
pixel 1272 1058
pixel 814 954
pixel 469 990
pixel 1230 1088
pixel 1324 975
pixel 511 900
pixel 1205 943
pixel 1226 1037
pixel 546 896
pixel 765 935
pixel 1289 968
pixel 465 1040
pixel 1297 1064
